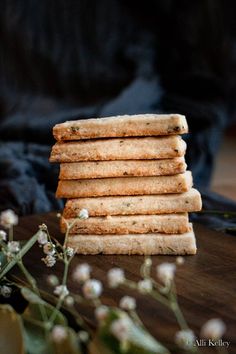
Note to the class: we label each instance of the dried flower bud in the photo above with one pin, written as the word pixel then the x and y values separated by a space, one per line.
pixel 83 336
pixel 3 235
pixel 13 247
pixel 166 272
pixel 185 338
pixel 148 262
pixel 101 313
pixel 5 291
pixel 49 248
pixel 59 333
pixel 92 289
pixel 42 237
pixel 180 260
pixel 43 227
pixel 70 252
pixel 52 280
pixel 145 286
pixel 69 301
pixel 115 277
pixel 213 329
pixel 49 260
pixel 83 214
pixel 81 273
pixel 120 328
pixel 128 303
pixel 8 218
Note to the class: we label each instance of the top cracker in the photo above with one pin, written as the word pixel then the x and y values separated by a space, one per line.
pixel 121 126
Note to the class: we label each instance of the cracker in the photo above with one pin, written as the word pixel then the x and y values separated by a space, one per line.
pixel 124 186
pixel 147 244
pixel 132 205
pixel 130 224
pixel 121 126
pixel 119 149
pixel 135 168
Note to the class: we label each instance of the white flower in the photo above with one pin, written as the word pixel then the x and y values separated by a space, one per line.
pixel 3 235
pixel 70 251
pixel 83 336
pixel 148 262
pixel 128 303
pixel 58 333
pixel 8 218
pixel 49 248
pixel 81 272
pixel 115 277
pixel 43 227
pixel 50 260
pixel 69 301
pixel 92 289
pixel 5 291
pixel 179 260
pixel 166 272
pixel 120 328
pixel 13 247
pixel 83 214
pixel 101 313
pixel 61 291
pixel 185 338
pixel 145 286
pixel 213 329
pixel 52 280
pixel 42 237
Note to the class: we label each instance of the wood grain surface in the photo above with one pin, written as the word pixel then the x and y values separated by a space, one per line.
pixel 206 283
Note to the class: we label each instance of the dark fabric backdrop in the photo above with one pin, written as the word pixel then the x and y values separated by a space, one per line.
pixel 73 59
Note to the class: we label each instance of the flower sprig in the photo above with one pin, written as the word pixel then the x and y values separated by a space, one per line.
pixel 120 329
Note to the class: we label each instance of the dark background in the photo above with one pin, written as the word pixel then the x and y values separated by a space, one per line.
pixel 72 59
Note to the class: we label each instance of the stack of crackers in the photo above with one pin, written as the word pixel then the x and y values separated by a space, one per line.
pixel 129 172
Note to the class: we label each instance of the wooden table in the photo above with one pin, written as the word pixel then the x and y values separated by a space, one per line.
pixel 206 283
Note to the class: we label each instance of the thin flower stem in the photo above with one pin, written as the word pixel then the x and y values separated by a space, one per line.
pixel 176 308
pixel 159 298
pixel 10 234
pixel 145 270
pixel 136 318
pixel 34 287
pixel 179 315
pixel 61 299
pixel 68 228
pixel 132 285
pixel 155 283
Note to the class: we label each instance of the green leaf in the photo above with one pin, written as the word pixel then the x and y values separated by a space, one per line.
pixel 37 336
pixel 11 331
pixel 139 341
pixel 29 244
pixel 69 345
pixel 31 297
pixel 36 339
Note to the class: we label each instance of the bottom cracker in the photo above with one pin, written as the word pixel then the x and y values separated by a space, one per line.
pixel 147 244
